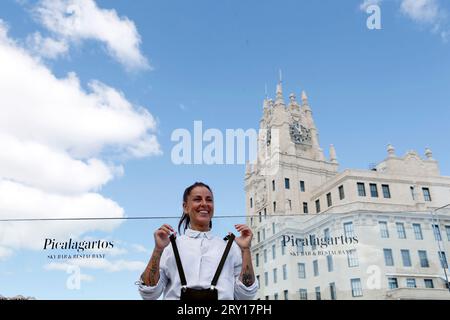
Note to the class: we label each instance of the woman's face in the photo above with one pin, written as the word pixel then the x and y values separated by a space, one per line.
pixel 200 208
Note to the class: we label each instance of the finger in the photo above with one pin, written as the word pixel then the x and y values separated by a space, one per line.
pixel 168 226
pixel 165 230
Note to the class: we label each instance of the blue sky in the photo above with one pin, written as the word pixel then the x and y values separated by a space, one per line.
pixel 210 61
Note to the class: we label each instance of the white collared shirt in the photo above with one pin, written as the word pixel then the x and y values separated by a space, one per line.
pixel 200 254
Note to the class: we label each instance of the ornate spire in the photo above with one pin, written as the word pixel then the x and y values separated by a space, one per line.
pixel 429 154
pixel 304 98
pixel 279 98
pixel 390 150
pixel 333 157
pixel 266 104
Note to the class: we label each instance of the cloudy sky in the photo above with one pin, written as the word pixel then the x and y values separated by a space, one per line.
pixel 91 91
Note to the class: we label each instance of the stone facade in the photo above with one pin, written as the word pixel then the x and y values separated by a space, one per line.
pixel 293 192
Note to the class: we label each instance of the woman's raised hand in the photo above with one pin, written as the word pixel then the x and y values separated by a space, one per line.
pixel 162 236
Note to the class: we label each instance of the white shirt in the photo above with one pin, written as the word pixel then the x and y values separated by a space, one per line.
pixel 200 254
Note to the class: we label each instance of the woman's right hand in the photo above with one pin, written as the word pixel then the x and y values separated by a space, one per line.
pixel 162 236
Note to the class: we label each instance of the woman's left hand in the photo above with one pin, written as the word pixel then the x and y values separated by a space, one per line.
pixel 245 239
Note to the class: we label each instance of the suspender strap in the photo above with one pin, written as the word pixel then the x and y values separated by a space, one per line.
pixel 222 261
pixel 178 260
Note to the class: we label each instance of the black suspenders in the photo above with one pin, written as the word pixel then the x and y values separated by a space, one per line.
pixel 219 268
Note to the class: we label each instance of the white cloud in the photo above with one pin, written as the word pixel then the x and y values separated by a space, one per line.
pixel 37 165
pixel 19 201
pixel 47 47
pixel 140 248
pixel 37 105
pixel 5 253
pixel 77 20
pixel 421 10
pixel 55 142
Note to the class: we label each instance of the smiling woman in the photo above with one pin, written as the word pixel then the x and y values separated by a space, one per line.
pixel 194 268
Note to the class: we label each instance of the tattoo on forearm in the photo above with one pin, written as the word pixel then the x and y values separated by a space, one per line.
pixel 154 268
pixel 247 277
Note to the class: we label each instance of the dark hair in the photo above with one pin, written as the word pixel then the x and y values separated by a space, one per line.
pixel 185 217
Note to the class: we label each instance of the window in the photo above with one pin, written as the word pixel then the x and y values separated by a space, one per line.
pixel 251 202
pixel 443 259
pixel 317 290
pixel 286 294
pixel 267 297
pixel 341 193
pixel 326 234
pixel 286 183
pixel 356 287
pixel 426 194
pixel 264 234
pixel 274 253
pixel 388 258
pixel 283 250
pixel 301 248
pixel 411 283
pixel 302 186
pixel 352 258
pixel 317 206
pixel 333 291
pixel 305 207
pixel 330 263
pixel 417 231
pixel 447 230
pixel 392 283
pixel 275 275
pixel 361 189
pixel 437 232
pixel 303 294
pixel 301 270
pixel 413 192
pixel 265 255
pixel 289 204
pixel 423 259
pixel 348 229
pixel 386 191
pixel 428 283
pixel 274 206
pixel 406 258
pixel 312 238
pixel 273 185
pixel 257 278
pixel 384 229
pixel 259 214
pixel 401 230
pixel 266 279
pixel 329 201
pixel 284 272
pixel 275 296
pixel 265 213
pixel 273 227
pixel 316 268
pixel 373 190
pixel 259 237
pixel 257 259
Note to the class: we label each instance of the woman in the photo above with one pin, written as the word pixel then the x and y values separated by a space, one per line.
pixel 200 253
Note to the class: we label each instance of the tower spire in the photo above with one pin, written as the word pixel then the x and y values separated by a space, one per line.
pixel 279 98
pixel 304 98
